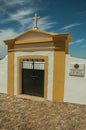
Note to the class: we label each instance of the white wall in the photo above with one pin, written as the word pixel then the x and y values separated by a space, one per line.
pixel 50 54
pixel 75 87
pixel 3 75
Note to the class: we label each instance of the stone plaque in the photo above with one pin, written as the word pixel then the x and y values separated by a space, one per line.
pixel 77 70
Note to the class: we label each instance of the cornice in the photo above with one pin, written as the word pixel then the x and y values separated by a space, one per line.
pixel 59 40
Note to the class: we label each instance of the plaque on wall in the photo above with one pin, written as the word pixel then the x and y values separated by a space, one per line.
pixel 77 69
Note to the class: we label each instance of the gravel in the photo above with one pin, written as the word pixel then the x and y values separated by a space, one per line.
pixel 26 114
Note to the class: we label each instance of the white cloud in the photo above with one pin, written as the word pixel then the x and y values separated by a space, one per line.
pixel 24 17
pixel 70 26
pixel 77 41
pixel 21 3
pixel 14 2
pixel 65 28
pixel 4 35
pixel 21 16
pixel 45 23
pixel 6 5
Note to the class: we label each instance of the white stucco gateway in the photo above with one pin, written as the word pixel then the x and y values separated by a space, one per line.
pixel 33 49
pixel 38 64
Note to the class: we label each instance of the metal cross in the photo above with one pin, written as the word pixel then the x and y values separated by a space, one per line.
pixel 36 18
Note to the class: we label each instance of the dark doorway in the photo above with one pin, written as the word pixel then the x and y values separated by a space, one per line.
pixel 33 81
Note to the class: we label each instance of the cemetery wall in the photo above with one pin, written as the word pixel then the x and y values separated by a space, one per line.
pixel 75 80
pixel 3 75
pixel 75 76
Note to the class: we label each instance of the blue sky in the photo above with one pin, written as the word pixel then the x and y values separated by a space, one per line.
pixel 57 16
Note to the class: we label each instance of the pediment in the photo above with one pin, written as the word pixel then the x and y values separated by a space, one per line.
pixel 38 36
pixel 33 34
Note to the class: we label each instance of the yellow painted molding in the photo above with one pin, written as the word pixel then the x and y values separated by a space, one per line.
pixel 32 48
pixel 36 40
pixel 51 34
pixel 35 31
pixel 10 87
pixel 51 37
pixel 19 85
pixel 9 41
pixel 62 37
pixel 58 75
pixel 37 48
pixel 66 46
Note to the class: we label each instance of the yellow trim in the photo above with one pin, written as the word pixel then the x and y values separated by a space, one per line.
pixel 10 88
pixel 36 40
pixel 51 37
pixel 32 48
pixel 58 75
pixel 66 46
pixel 9 41
pixel 37 48
pixel 36 31
pixel 19 72
pixel 62 37
pixel 54 35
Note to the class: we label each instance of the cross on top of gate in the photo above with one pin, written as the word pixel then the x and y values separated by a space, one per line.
pixel 36 18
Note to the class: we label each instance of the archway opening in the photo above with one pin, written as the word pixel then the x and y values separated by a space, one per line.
pixel 33 76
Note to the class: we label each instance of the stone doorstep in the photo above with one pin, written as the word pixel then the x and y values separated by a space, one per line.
pixel 34 98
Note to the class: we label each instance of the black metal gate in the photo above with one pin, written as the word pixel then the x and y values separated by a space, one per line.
pixel 33 77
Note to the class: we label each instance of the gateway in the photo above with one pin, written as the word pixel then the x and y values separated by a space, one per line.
pixel 36 63
pixel 33 77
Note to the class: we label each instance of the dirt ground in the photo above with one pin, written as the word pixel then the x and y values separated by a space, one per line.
pixel 26 114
